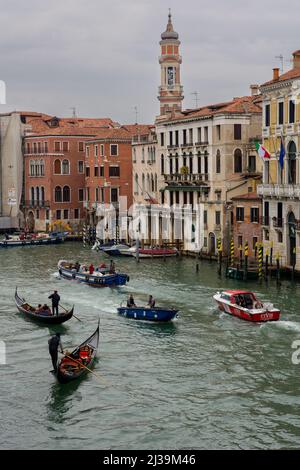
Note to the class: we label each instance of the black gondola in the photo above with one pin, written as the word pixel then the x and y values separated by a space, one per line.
pixel 30 312
pixel 75 364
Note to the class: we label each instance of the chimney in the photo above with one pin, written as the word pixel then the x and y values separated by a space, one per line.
pixel 296 56
pixel 254 90
pixel 276 73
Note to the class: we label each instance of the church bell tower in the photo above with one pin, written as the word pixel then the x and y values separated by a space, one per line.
pixel 170 90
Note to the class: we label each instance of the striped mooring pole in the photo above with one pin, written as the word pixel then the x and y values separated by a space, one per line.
pixel 271 253
pixel 267 264
pixel 277 257
pixel 220 249
pixel 246 254
pixel 84 235
pixel 232 253
pixel 260 262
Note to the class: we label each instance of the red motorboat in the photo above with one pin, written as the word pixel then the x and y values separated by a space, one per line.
pixel 156 252
pixel 245 305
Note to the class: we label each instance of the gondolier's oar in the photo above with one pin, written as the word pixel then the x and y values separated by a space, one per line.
pixel 73 313
pixel 91 371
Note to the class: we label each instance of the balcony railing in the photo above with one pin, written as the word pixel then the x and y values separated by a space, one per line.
pixel 186 178
pixel 36 204
pixel 187 144
pixel 265 220
pixel 173 146
pixel 202 142
pixel 279 190
pixel 277 223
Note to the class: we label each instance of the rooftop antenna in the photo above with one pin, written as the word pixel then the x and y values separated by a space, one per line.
pixel 281 58
pixel 74 115
pixel 196 93
pixel 136 114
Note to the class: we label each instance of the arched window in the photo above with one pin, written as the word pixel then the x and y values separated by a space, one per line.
pixel 292 162
pixel 58 194
pixel 155 182
pixel 218 162
pixel 32 195
pixel 162 164
pixel 136 184
pixel 65 167
pixel 238 161
pixel 32 168
pixel 134 155
pixel 66 194
pixel 37 194
pixel 42 194
pixel 57 167
pixel 37 168
pixel 152 183
pixel 42 168
pixel 143 183
pixel 148 182
pixel 143 154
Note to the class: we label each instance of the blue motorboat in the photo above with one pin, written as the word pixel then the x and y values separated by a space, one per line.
pixel 158 314
pixel 99 278
pixel 31 240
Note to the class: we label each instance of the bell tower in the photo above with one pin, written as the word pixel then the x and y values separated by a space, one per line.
pixel 170 90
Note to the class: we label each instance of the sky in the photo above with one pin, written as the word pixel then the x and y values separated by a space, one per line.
pixel 101 56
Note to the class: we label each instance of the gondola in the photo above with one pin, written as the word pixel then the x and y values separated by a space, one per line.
pixel 30 312
pixel 74 365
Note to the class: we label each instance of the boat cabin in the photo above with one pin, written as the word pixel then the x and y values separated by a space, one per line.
pixel 242 299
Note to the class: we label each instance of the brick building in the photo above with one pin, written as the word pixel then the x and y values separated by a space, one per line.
pixel 54 169
pixel 246 223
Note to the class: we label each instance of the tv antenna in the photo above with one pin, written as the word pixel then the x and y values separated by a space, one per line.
pixel 74 115
pixel 281 58
pixel 195 93
pixel 136 114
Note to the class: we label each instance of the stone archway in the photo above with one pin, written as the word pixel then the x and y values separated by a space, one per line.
pixel 211 243
pixel 30 221
pixel 291 219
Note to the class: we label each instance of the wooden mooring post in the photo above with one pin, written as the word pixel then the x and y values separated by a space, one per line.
pixel 246 254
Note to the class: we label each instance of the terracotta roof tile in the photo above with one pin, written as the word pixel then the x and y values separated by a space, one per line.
pixel 247 196
pixel 293 73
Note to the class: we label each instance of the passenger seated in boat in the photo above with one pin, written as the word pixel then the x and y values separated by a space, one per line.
pixel 77 266
pixel 112 267
pixel 151 301
pixel 45 311
pixel 39 308
pixel 130 302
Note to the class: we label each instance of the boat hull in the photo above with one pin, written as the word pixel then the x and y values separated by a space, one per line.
pixel 260 315
pixel 33 242
pixel 43 319
pixel 149 314
pixel 107 280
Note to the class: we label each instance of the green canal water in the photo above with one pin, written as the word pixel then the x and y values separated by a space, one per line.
pixel 204 381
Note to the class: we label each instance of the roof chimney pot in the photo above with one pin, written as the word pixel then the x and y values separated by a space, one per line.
pixel 275 73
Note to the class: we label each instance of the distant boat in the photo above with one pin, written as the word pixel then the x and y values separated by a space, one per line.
pixel 31 313
pixel 101 278
pixel 245 305
pixel 119 249
pixel 32 239
pixel 77 363
pixel 156 252
pixel 157 314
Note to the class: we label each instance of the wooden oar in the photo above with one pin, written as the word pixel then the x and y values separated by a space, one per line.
pixel 73 313
pixel 82 365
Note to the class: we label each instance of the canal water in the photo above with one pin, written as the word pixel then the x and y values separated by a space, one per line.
pixel 204 381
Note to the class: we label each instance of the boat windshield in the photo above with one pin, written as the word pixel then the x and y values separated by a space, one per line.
pixel 225 296
pixel 244 300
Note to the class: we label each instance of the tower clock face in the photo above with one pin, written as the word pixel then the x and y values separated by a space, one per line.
pixel 171 76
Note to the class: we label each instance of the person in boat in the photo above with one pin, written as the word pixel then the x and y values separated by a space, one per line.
pixel 39 308
pixel 54 343
pixel 112 267
pixel 151 301
pixel 45 310
pixel 91 268
pixel 77 266
pixel 130 301
pixel 6 236
pixel 55 302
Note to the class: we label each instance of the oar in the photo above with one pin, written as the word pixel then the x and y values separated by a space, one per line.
pixel 73 313
pixel 91 371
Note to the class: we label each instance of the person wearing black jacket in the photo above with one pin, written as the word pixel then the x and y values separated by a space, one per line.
pixel 54 343
pixel 55 302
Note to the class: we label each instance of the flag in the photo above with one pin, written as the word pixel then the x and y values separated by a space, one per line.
pixel 282 154
pixel 262 152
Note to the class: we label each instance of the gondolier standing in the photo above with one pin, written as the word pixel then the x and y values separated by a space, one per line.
pixel 55 302
pixel 54 342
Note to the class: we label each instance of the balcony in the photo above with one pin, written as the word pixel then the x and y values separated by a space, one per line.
pixel 265 220
pixel 187 145
pixel 186 178
pixel 172 147
pixel 279 190
pixel 277 223
pixel 203 142
pixel 35 204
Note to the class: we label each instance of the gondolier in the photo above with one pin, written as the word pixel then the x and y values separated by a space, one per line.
pixel 54 343
pixel 55 302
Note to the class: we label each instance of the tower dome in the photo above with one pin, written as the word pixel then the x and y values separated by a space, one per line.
pixel 170 33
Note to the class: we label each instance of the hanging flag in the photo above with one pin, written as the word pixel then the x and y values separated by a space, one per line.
pixel 282 153
pixel 262 152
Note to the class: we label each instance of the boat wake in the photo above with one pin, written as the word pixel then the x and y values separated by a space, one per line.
pixel 285 325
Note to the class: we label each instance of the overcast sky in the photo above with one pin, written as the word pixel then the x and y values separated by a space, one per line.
pixel 101 56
